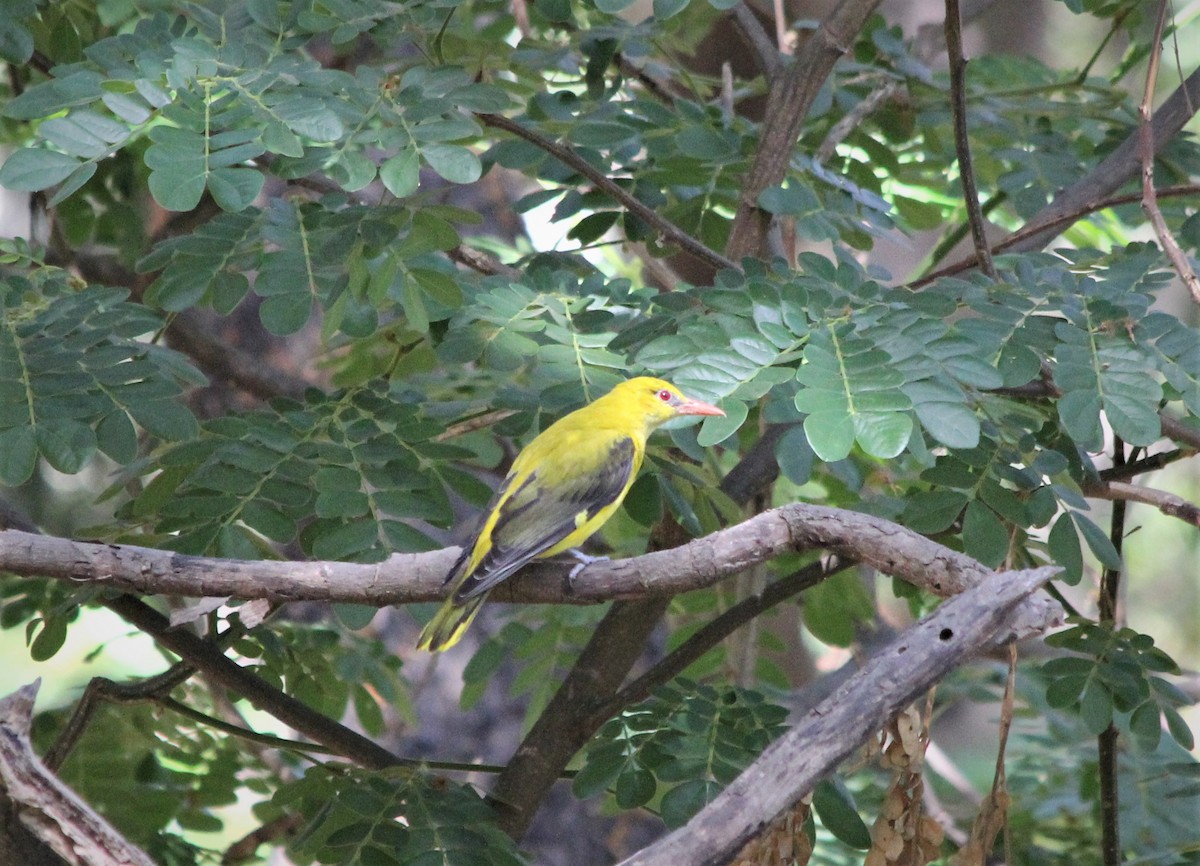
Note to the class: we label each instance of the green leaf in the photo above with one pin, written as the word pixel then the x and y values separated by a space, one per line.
pixel 455 163
pixel 18 455
pixel 50 639
pixel 835 606
pixel 1095 708
pixel 851 394
pixel 235 189
pixel 635 787
pixel 836 808
pixel 1063 545
pixel 612 7
pixel 717 429
pixel 685 800
pixel 985 537
pixel 1097 540
pixel 16 42
pixel 401 173
pixel 664 9
pixel 67 445
pixel 32 169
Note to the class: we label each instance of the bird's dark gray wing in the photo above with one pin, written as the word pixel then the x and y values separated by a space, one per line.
pixel 534 519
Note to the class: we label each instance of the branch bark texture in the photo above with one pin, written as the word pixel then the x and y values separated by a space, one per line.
pixel 793 764
pixel 48 810
pixel 793 89
pixel 409 578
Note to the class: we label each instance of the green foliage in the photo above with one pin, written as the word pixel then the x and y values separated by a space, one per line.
pixel 355 818
pixel 359 462
pixel 1053 777
pixel 680 747
pixel 329 166
pixel 1116 681
pixel 544 654
pixel 75 378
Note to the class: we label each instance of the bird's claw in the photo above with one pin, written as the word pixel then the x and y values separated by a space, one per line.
pixel 583 562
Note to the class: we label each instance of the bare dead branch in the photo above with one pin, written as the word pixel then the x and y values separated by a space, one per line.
pixel 1168 503
pixel 792 765
pixel 419 577
pixel 48 809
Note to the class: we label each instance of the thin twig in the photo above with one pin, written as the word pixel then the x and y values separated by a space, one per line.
pixel 1146 464
pixel 1149 197
pixel 1168 503
pixel 244 849
pixel 208 658
pixel 472 424
pixel 765 52
pixel 854 118
pixel 102 689
pixel 962 144
pixel 1038 227
pixel 484 263
pixel 715 631
pixel 1106 742
pixel 667 229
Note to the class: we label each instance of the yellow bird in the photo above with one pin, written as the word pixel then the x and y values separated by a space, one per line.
pixel 562 487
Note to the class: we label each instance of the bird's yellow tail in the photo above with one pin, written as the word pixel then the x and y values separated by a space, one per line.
pixel 449 623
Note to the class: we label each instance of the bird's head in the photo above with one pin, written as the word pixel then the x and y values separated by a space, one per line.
pixel 659 401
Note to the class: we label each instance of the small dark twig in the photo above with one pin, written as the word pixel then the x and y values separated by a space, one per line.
pixel 1146 151
pixel 765 52
pixel 1106 743
pixel 100 690
pixel 958 104
pixel 667 229
pixel 715 631
pixel 208 658
pixel 280 828
pixel 1167 503
pixel 1019 240
pixel 1146 464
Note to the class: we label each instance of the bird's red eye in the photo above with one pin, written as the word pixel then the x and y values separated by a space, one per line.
pixel 664 395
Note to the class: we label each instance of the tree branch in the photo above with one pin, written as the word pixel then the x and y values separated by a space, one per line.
pixel 718 629
pixel 962 144
pixel 420 577
pixel 1106 741
pixel 214 664
pixel 766 54
pixel 48 809
pixel 792 765
pixel 791 95
pixel 1146 151
pixel 667 229
pixel 1097 189
pixel 1054 225
pixel 1168 503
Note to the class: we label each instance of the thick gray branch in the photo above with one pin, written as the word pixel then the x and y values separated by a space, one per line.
pixel 891 679
pixel 48 809
pixel 409 578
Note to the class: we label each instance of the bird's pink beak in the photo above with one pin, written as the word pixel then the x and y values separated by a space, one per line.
pixel 697 407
